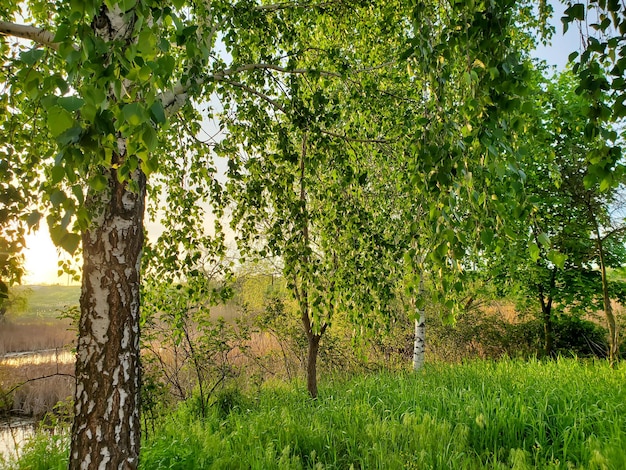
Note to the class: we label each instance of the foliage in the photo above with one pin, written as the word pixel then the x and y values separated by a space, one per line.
pixel 481 414
pixel 600 66
pixel 562 237
pixel 187 351
pixel 45 450
pixel 477 334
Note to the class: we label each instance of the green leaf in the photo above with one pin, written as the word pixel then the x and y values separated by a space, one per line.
pixel 134 114
pixel 59 120
pixel 486 236
pixel 31 56
pixel 157 112
pixel 606 183
pixel 127 5
pixel 70 136
pixel 557 258
pixel 70 103
pixel 57 174
pixel 149 138
pixel 62 33
pixel 533 250
pixel 149 165
pixel 575 12
pixel 98 182
pixel 64 239
pixel 33 218
pixel 544 240
pixel 57 197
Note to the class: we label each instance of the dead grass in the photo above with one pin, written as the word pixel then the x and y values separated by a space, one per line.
pixel 33 385
pixel 35 336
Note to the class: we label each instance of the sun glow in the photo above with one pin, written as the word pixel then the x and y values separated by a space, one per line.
pixel 41 260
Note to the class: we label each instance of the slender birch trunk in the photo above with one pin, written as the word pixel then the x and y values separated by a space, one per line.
pixel 419 344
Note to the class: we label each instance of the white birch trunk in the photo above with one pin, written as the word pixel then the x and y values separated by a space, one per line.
pixel 106 428
pixel 419 344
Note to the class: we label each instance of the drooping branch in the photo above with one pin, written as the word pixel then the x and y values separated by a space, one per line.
pixel 357 140
pixel 32 33
pixel 287 5
pixel 172 100
pixel 263 96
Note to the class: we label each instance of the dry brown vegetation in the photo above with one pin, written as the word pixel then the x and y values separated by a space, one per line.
pixel 247 349
pixel 35 335
pixel 33 385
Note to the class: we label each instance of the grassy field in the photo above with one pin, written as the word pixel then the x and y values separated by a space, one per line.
pixel 34 323
pixel 44 302
pixel 509 414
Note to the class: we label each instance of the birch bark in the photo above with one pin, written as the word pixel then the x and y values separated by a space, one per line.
pixel 107 363
pixel 419 344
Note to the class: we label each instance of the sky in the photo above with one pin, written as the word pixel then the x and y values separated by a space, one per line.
pixel 42 256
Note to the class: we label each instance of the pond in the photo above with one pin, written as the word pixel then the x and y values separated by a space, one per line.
pixel 20 366
pixel 14 432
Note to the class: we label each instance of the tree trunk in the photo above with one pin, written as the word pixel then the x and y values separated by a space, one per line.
pixel 106 429
pixel 419 341
pixel 311 363
pixel 548 332
pixel 545 299
pixel 419 345
pixel 608 308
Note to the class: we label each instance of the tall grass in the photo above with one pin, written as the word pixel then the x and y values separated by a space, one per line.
pixel 561 414
pixel 508 414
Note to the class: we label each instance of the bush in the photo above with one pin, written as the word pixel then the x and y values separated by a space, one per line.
pixel 478 334
pixel 580 337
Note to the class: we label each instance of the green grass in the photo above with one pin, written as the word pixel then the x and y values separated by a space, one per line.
pixel 510 414
pixel 45 302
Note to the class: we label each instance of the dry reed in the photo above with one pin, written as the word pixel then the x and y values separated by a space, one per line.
pixel 33 385
pixel 35 336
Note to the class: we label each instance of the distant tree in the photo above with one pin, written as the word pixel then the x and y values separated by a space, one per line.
pixel 562 225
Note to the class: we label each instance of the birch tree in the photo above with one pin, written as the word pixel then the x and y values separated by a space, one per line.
pixel 305 183
pixel 103 86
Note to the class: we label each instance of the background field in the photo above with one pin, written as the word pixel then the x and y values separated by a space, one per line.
pixel 42 302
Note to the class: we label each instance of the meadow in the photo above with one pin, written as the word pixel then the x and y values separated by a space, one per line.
pixel 563 414
pixel 39 319
pixel 36 339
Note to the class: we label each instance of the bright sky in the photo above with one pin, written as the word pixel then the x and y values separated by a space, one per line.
pixel 42 256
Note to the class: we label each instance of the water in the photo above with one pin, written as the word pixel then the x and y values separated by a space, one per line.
pixel 45 356
pixel 14 433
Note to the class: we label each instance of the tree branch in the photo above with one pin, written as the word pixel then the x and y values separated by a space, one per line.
pixel 286 5
pixel 35 379
pixel 249 67
pixel 32 33
pixel 615 231
pixel 351 139
pixel 174 99
pixel 263 96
